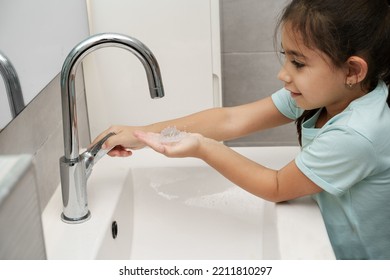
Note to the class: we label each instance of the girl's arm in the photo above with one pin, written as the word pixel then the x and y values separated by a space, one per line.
pixel 273 185
pixel 217 123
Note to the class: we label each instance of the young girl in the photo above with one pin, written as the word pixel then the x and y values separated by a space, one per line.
pixel 336 75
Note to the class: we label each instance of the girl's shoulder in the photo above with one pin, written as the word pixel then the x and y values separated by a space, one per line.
pixel 369 115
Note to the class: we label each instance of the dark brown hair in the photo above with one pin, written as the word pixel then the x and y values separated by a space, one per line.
pixel 343 28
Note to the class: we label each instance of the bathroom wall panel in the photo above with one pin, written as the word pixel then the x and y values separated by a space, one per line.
pixel 179 33
pixel 248 77
pixel 250 63
pixel 248 25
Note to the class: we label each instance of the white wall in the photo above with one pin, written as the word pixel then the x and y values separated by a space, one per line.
pixel 36 36
pixel 184 37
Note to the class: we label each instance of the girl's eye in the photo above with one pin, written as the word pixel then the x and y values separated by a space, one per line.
pixel 297 64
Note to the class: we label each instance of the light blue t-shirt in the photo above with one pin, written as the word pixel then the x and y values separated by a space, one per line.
pixel 349 158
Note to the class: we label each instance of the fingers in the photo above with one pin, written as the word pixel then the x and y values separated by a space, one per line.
pixel 97 139
pixel 119 151
pixel 103 134
pixel 111 142
pixel 116 143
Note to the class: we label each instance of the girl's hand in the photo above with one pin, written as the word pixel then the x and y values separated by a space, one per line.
pixel 187 146
pixel 122 143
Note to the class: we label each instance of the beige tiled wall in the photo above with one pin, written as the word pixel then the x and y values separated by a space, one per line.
pixel 249 62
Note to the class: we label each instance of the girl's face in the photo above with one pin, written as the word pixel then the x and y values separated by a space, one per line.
pixel 311 77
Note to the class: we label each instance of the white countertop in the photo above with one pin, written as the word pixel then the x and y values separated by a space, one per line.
pixel 301 231
pixel 12 167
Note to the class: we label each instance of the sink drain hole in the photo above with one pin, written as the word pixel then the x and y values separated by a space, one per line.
pixel 114 229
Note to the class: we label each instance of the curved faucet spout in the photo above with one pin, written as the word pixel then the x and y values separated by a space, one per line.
pixel 68 75
pixel 12 85
pixel 73 165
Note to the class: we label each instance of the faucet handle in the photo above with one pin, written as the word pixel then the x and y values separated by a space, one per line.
pixel 95 153
pixel 96 149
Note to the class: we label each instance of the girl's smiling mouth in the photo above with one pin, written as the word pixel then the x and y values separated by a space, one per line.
pixel 294 94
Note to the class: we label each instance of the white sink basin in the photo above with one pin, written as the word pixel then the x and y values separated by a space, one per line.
pixel 168 209
pixel 193 213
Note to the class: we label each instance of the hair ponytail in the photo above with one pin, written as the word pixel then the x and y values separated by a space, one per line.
pixel 386 73
pixel 386 76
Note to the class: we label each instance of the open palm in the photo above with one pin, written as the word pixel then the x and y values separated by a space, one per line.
pixel 187 146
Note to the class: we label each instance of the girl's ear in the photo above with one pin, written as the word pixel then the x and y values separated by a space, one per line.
pixel 357 70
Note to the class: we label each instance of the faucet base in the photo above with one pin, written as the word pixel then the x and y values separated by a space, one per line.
pixel 76 221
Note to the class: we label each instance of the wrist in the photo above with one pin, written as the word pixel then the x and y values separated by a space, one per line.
pixel 206 147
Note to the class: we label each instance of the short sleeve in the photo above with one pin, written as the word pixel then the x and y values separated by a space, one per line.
pixel 286 104
pixel 337 159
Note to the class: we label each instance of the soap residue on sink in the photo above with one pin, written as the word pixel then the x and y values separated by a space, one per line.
pixel 156 187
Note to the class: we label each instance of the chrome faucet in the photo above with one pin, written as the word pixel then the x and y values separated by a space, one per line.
pixel 75 168
pixel 12 85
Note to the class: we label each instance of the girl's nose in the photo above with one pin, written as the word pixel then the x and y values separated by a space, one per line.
pixel 284 76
